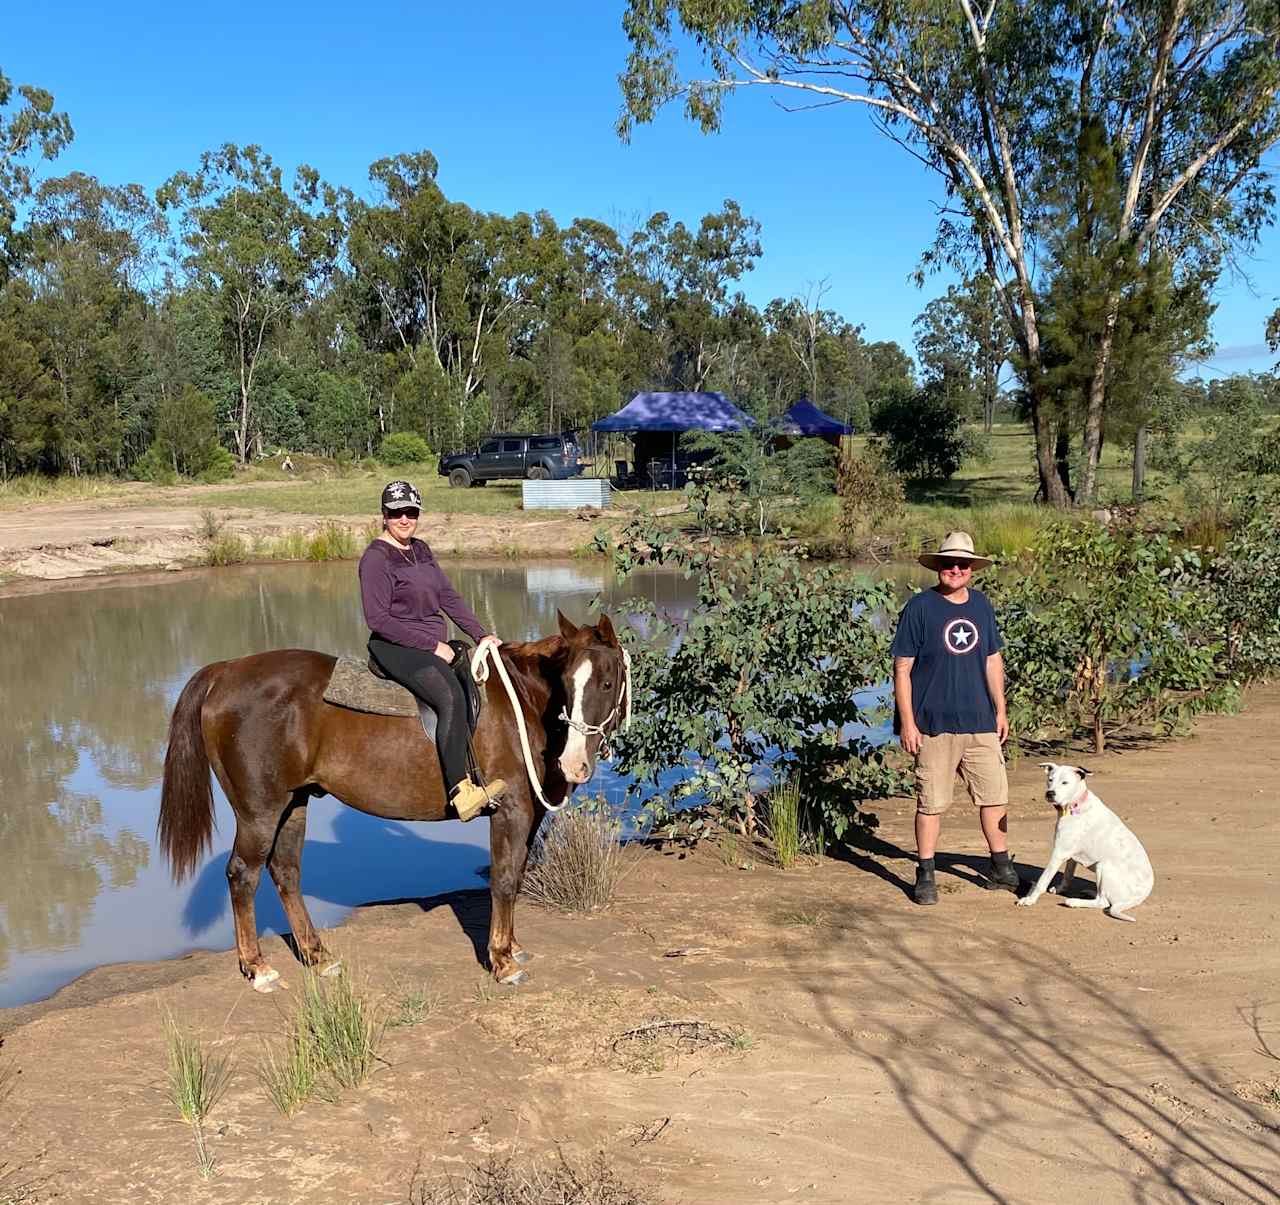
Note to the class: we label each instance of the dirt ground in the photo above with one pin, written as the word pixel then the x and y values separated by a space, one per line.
pixel 51 541
pixel 869 1050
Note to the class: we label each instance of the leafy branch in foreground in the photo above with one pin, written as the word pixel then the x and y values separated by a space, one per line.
pixel 777 664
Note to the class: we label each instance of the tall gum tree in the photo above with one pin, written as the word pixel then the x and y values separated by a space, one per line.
pixel 982 93
pixel 259 247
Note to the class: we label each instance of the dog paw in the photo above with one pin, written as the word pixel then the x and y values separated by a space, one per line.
pixel 1026 901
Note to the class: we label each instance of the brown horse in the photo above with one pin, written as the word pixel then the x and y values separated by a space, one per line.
pixel 262 725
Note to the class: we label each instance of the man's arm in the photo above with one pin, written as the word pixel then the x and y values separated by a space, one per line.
pixel 995 685
pixel 910 735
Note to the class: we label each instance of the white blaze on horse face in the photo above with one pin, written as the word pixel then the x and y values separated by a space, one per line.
pixel 575 764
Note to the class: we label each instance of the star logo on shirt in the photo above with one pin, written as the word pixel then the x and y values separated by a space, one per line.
pixel 960 636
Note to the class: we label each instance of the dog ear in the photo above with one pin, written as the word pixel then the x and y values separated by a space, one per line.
pixel 1047 765
pixel 1083 771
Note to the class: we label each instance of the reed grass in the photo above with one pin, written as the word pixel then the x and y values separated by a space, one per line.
pixel 226 549
pixel 783 819
pixel 196 1080
pixel 578 859
pixel 332 1043
pixel 290 1075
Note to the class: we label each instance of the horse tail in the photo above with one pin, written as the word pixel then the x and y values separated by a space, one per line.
pixel 186 799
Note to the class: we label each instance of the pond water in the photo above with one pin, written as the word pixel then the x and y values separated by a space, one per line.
pixel 88 678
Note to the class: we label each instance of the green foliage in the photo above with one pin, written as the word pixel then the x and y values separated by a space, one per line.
pixel 747 485
pixel 923 434
pixel 871 492
pixel 1243 592
pixel 31 126
pixel 1099 635
pixel 782 821
pixel 403 447
pixel 774 659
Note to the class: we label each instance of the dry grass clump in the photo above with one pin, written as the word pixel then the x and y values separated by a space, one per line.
pixel 506 1182
pixel 578 859
pixel 332 1043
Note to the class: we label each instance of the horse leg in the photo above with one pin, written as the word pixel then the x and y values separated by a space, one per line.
pixel 509 839
pixel 518 952
pixel 285 865
pixel 244 868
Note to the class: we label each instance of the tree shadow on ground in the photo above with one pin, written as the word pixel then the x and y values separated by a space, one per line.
pixel 1051 1067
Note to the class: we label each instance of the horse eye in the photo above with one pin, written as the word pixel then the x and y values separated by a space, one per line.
pixel 608 685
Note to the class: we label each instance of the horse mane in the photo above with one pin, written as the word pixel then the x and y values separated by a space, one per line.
pixel 526 658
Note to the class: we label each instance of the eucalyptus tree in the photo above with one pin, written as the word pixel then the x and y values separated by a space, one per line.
pixel 90 254
pixel 962 341
pixel 985 95
pixel 32 126
pixel 259 247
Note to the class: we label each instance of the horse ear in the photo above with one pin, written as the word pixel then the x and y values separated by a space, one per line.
pixel 604 625
pixel 567 627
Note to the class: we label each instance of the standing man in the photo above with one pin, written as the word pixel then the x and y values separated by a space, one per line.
pixel 948 684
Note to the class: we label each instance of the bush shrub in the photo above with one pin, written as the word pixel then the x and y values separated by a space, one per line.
pixel 774 659
pixel 403 447
pixel 871 492
pixel 923 434
pixel 577 859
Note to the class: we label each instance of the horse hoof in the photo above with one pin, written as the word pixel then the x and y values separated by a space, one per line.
pixel 522 957
pixel 514 978
pixel 267 981
pixel 332 967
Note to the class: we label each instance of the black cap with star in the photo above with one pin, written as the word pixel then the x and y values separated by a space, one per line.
pixel 400 495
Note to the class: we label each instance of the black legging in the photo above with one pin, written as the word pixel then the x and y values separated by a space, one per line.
pixel 433 681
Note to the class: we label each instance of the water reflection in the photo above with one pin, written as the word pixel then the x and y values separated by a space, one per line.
pixel 87 682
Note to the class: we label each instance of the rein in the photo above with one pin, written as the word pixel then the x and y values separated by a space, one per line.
pixel 480 672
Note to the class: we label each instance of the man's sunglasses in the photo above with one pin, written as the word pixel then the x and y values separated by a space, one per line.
pixel 409 512
pixel 954 565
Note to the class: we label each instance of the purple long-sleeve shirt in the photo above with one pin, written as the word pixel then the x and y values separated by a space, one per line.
pixel 406 597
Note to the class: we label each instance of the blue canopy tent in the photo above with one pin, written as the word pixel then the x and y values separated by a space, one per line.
pixel 676 412
pixel 649 416
pixel 804 418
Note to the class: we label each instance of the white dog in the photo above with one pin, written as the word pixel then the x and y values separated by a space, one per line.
pixel 1090 833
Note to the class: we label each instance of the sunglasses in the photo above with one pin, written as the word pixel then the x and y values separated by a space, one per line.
pixel 409 512
pixel 954 565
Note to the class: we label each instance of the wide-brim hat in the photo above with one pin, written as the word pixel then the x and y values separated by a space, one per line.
pixel 400 495
pixel 955 546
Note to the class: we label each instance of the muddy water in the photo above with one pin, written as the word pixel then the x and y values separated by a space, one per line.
pixel 88 678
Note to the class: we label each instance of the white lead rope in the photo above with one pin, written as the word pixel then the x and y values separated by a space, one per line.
pixel 480 672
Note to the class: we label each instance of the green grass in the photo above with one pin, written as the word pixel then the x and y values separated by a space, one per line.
pixel 196 1078
pixel 414 1005
pixel 332 1043
pixel 783 809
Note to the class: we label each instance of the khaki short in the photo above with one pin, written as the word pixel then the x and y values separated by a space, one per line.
pixel 978 758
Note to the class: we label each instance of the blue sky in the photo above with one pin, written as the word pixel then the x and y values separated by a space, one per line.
pixel 518 103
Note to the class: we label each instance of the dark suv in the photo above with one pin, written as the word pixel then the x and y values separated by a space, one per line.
pixel 504 457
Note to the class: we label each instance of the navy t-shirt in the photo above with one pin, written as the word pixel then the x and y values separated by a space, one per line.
pixel 950 643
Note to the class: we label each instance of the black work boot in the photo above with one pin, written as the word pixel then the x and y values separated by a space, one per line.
pixel 1002 876
pixel 925 890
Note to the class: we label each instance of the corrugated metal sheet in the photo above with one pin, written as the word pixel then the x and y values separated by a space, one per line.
pixel 566 495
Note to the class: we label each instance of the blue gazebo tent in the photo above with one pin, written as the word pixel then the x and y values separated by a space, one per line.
pixel 676 412
pixel 804 418
pixel 655 420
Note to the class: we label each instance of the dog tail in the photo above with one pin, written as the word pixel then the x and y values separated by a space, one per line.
pixel 1133 920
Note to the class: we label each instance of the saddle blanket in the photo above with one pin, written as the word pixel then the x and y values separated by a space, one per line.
pixel 352 685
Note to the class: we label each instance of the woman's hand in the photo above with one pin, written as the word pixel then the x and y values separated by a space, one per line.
pixel 445 652
pixel 492 640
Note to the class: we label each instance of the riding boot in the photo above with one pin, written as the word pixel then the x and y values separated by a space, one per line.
pixel 469 799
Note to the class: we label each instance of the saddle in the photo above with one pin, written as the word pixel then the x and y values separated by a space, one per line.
pixel 362 686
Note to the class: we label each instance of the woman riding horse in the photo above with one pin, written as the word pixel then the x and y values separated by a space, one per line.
pixel 262 724
pixel 406 597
